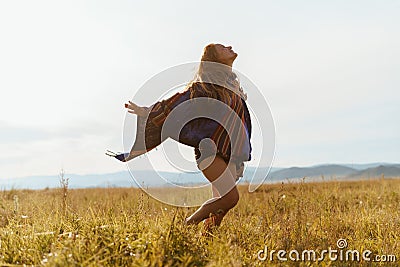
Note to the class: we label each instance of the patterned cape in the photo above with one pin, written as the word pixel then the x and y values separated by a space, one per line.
pixel 149 128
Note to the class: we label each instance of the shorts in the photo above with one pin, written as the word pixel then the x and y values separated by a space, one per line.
pixel 204 154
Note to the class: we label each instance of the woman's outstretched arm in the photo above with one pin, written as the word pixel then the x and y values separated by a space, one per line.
pixel 150 121
pixel 142 113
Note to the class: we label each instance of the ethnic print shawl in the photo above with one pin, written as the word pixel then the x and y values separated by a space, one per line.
pixel 149 128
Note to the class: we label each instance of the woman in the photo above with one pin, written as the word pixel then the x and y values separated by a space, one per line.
pixel 221 161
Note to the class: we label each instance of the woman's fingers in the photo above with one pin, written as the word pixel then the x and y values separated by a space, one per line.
pixel 135 109
pixel 132 105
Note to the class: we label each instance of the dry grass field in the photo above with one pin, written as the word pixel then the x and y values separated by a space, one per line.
pixel 125 227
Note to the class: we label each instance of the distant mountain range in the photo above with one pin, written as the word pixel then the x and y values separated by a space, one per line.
pixel 334 171
pixel 150 178
pixel 324 170
pixel 386 171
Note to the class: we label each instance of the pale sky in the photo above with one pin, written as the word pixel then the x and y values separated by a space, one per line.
pixel 329 70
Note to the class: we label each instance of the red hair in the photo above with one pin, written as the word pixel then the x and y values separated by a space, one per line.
pixel 213 75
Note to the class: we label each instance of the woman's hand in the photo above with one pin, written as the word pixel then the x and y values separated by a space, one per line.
pixel 135 109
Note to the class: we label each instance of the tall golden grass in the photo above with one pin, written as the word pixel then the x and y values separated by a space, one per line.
pixel 125 227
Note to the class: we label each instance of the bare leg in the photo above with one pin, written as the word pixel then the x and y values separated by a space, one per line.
pixel 203 165
pixel 223 179
pixel 215 192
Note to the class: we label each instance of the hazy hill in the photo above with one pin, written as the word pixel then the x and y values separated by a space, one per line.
pixel 117 179
pixel 317 171
pixel 386 171
pixel 150 178
pixel 369 165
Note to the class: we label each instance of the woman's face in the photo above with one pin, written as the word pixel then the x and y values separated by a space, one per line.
pixel 225 54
